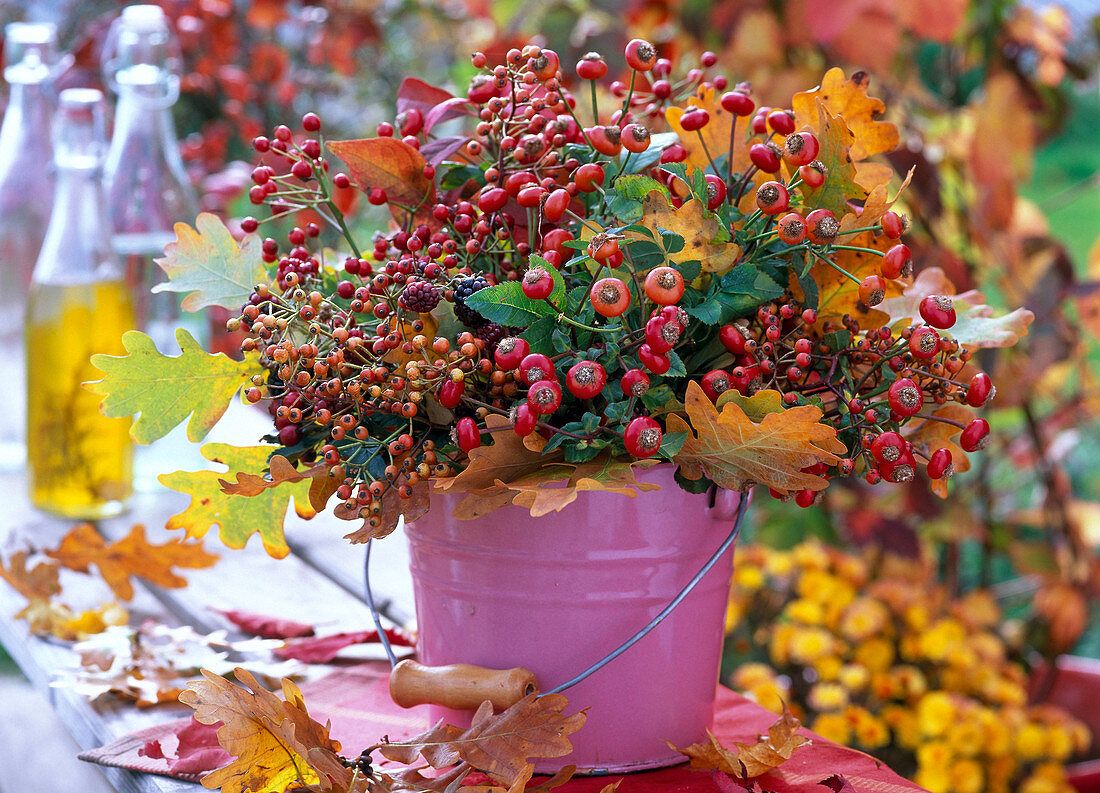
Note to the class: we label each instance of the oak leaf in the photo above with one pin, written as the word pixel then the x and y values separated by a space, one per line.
pixel 861 113
pixel 50 618
pixel 716 134
pixel 40 581
pixel 839 295
pixel 839 192
pixel 161 391
pixel 265 626
pixel 133 555
pixel 750 760
pixel 237 517
pixel 281 471
pixel 735 452
pixel 269 738
pixel 757 406
pixel 206 262
pixel 544 492
pixel 698 227
pixel 877 203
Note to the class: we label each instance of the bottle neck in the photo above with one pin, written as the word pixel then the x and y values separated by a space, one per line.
pixel 25 132
pixel 77 248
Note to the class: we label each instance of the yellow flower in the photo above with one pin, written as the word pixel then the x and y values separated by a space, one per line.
pixel 1042 780
pixel 870 732
pixel 1030 742
pixel 877 654
pixel 1059 743
pixel 827 668
pixel 748 675
pixel 735 613
pixel 828 590
pixel 940 640
pixel 978 609
pixel 833 727
pixel 933 778
pixel 808 612
pixel 810 555
pixel 967 736
pixel 998 738
pixel 778 564
pixel 769 694
pixel 780 646
pixel 916 617
pixel 999 772
pixel 909 681
pixel 934 754
pixel 904 724
pixel 827 696
pixel 852 569
pixel 967 777
pixel 935 713
pixel 854 677
pixel 809 644
pixel 748 577
pixel 862 619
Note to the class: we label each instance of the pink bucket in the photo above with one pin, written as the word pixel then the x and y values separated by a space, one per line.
pixel 557 593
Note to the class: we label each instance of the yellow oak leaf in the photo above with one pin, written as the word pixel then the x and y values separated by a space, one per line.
pixel 131 556
pixel 50 618
pixel 839 295
pixel 768 752
pixel 757 406
pixel 877 203
pixel 735 452
pixel 237 516
pixel 716 134
pixel 698 227
pixel 269 738
pixel 849 99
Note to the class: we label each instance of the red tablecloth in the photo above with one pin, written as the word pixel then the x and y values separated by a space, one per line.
pixel 356 701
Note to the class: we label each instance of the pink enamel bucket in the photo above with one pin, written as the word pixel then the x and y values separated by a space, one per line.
pixel 555 594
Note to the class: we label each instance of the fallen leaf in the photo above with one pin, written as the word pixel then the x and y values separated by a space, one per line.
pixel 695 224
pixel 268 738
pixel 265 626
pixel 197 749
pixel 128 557
pixel 49 618
pixel 161 391
pixel 237 517
pixel 40 581
pixel 749 760
pixel 323 649
pixel 838 784
pixel 849 100
pixel 206 262
pixel 711 754
pixel 736 452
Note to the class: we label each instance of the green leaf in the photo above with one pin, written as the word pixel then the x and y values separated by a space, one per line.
pixel 637 187
pixel 459 175
pixel 207 262
pixel 690 270
pixel 162 391
pixel 651 156
pixel 671 443
pixel 676 367
pixel 539 335
pixel 507 305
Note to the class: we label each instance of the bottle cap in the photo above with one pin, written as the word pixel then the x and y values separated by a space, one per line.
pixel 30 49
pixel 80 129
pixel 141 50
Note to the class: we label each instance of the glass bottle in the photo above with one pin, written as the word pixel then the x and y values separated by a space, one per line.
pixel 26 195
pixel 78 461
pixel 148 190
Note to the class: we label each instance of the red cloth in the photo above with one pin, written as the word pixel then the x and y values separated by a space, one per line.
pixel 357 702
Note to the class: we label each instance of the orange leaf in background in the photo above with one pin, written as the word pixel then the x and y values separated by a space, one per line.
pixel 131 556
pixel 770 751
pixel 736 452
pixel 391 164
pixel 48 618
pixel 38 582
pixel 716 134
pixel 268 737
pixel 861 113
pixel 1064 607
pixel 1002 116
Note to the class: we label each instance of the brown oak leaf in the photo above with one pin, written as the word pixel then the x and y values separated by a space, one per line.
pixel 768 752
pixel 132 556
pixel 736 452
pixel 40 581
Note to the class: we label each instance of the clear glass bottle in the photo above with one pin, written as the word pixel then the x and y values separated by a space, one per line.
pixel 26 196
pixel 79 462
pixel 148 190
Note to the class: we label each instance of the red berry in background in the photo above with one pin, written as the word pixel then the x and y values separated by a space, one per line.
pixel 716 191
pixel 510 352
pixel 975 436
pixel 782 121
pixel 897 262
pixel 526 420
pixel 643 437
pixel 555 239
pixel 801 148
pixel 311 122
pixel 640 55
pixel 556 204
pixel 732 339
pixel 938 311
pixel 652 360
pixel 980 390
pixel 610 297
pixel 537 283
pixel 888 447
pixel 812 175
pixel 634 383
pixel 544 397
pixel 535 367
pixel 765 156
pixel 450 393
pixel 585 379
pixel 924 343
pixel 791 228
pixel 664 285
pixel 591 66
pixel 588 177
pixel 694 119
pixel 939 464
pixel 822 227
pixel 467 435
pixel 635 138
pixel 738 103
pixel 872 290
pixel 715 383
pixel 760 120
pixel 772 198
pixel 905 397
pixel 892 225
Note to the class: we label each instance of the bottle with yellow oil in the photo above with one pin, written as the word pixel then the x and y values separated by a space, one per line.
pixel 79 462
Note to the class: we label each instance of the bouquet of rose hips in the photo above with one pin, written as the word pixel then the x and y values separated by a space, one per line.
pixel 686 278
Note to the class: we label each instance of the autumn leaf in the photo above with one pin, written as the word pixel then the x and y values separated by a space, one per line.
pixel 716 134
pixel 264 625
pixel 281 471
pixel 770 751
pixel 735 452
pixel 390 164
pixel 323 649
pixel 132 555
pixel 269 738
pixel 755 407
pixel 543 492
pixel 877 203
pixel 839 295
pixel 839 192
pixel 500 745
pixel 40 581
pixel 237 517
pixel 849 100
pixel 206 262
pixel 929 435
pixel 162 390
pixel 394 509
pixel 50 618
pixel 695 224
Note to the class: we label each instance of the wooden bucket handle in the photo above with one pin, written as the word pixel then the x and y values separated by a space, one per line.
pixel 459 686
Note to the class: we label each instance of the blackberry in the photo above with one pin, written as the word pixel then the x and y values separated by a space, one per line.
pixel 419 296
pixel 465 288
pixel 491 333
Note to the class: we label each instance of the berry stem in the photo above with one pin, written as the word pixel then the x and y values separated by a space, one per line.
pixel 837 267
pixel 706 151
